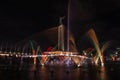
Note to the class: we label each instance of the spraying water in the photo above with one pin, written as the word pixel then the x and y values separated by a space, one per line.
pixel 68 23
pixel 105 46
pixel 72 43
pixel 34 52
pixel 91 34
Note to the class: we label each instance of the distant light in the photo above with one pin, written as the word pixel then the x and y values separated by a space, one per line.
pixel 16 55
pixel 116 53
pixel 42 64
pixel 102 64
pixel 78 65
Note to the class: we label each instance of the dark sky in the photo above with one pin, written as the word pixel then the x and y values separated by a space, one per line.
pixel 22 18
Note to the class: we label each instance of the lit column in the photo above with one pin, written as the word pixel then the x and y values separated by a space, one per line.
pixel 61 37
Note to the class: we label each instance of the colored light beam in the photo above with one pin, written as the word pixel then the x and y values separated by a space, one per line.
pixel 34 52
pixel 94 39
pixel 68 23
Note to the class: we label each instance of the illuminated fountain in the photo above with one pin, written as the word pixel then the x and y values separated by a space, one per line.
pixel 30 50
pixel 113 54
pixel 60 50
pixel 65 49
pixel 91 34
pixel 34 52
pixel 63 54
pixel 104 47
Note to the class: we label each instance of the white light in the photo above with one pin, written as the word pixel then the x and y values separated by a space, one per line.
pixel 42 64
pixel 116 53
pixel 102 64
pixel 78 65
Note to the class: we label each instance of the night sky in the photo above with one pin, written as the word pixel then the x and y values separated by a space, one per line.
pixel 22 18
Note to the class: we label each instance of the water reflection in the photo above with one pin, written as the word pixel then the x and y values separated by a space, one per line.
pixel 101 74
pixel 60 73
pixel 55 73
